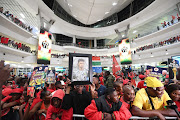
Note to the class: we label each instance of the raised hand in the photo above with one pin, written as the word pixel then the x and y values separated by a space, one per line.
pixel 4 72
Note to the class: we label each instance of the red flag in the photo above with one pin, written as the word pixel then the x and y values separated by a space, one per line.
pixel 115 67
pixel 173 17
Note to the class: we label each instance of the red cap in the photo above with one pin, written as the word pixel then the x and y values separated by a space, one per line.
pixel 17 90
pixel 141 76
pixel 125 81
pixel 117 77
pixel 6 91
pixel 13 82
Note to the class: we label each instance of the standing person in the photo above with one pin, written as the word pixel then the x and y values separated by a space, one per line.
pixel 55 111
pixel 76 99
pixel 150 102
pixel 174 92
pixel 107 107
pixel 98 87
pixel 109 80
pixel 128 96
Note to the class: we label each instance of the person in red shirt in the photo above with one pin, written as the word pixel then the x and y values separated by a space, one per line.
pixel 128 96
pixel 141 83
pixel 174 92
pixel 55 112
pixel 107 107
pixel 118 86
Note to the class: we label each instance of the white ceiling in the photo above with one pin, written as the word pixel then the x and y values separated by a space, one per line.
pixel 92 11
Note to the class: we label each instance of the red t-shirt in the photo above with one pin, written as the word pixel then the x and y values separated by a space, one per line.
pixel 125 103
pixel 35 101
pixel 178 104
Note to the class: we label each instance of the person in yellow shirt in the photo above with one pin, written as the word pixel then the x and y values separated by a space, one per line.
pixel 150 102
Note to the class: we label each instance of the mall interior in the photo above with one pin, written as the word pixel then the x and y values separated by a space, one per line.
pixel 131 47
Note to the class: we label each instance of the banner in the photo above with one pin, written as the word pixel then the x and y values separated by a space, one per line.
pixel 116 68
pixel 156 72
pixel 51 78
pixel 172 68
pixel 125 51
pixel 44 48
pixel 97 69
pixel 38 77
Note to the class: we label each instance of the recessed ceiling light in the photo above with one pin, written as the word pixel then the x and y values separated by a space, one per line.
pixel 134 31
pixel 22 20
pixel 70 5
pixel 139 58
pixel 98 20
pixel 167 53
pixel 106 12
pixel 114 3
pixel 22 15
pixel 22 61
pixel 152 56
pixel 123 35
pixel 75 16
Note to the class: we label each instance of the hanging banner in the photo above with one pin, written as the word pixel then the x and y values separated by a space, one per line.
pixel 97 69
pixel 172 68
pixel 44 48
pixel 125 51
pixel 38 77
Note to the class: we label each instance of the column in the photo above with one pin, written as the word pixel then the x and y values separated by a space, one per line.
pixel 95 42
pixel 74 39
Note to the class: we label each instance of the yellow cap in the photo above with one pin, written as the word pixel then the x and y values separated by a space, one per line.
pixel 153 82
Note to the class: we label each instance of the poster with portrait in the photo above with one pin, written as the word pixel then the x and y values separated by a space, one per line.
pixel 44 48
pixel 80 68
pixel 38 77
pixel 173 65
pixel 125 51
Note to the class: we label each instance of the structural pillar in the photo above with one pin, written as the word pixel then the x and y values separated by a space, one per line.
pixel 95 42
pixel 74 39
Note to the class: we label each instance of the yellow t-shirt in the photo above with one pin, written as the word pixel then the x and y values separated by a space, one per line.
pixel 142 100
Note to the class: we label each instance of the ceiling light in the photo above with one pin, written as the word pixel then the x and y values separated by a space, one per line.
pixel 58 63
pixel 167 53
pixel 114 4
pixel 152 56
pixel 106 12
pixel 36 28
pixel 123 35
pixel 22 61
pixel 134 31
pixel 98 20
pixel 22 15
pixel 139 58
pixel 22 20
pixel 70 5
pixel 75 16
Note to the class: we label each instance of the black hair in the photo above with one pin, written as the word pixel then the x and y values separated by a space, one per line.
pixel 43 93
pixel 80 60
pixel 109 91
pixel 57 83
pixel 172 87
pixel 129 78
pixel 115 84
pixel 107 72
pixel 96 76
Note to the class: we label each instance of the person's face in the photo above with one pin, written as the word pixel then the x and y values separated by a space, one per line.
pixel 81 64
pixel 119 89
pixel 129 95
pixel 166 82
pixel 78 88
pixel 175 95
pixel 59 86
pixel 159 91
pixel 48 96
pixel 114 97
pixel 56 102
pixel 95 80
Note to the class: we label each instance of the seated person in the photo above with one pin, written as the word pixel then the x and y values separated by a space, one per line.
pixel 128 96
pixel 150 102
pixel 174 92
pixel 98 87
pixel 118 86
pixel 107 107
pixel 55 112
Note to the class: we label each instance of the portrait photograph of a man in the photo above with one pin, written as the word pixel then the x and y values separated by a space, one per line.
pixel 80 69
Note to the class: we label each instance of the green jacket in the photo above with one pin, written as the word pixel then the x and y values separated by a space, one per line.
pixel 109 81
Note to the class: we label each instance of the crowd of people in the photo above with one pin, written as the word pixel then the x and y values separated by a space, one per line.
pixel 15 20
pixel 109 97
pixel 159 44
pixel 14 44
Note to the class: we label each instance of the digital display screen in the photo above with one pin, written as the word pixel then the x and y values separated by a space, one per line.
pixel 44 48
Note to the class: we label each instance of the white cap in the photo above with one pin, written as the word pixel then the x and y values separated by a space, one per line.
pixel 62 82
pixel 60 74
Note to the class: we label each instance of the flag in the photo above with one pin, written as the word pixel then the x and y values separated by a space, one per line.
pixel 173 17
pixel 96 61
pixel 115 67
